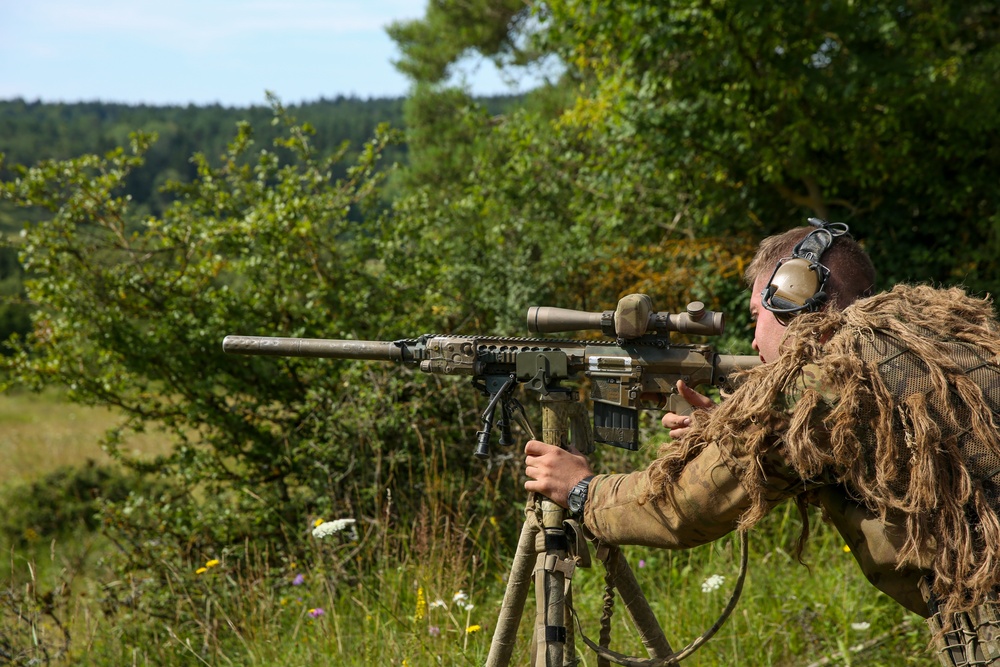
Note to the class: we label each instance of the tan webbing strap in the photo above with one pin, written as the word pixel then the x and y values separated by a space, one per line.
pixel 973 637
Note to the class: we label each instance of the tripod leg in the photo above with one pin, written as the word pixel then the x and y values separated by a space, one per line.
pixel 635 602
pixel 552 570
pixel 544 549
pixel 554 564
pixel 515 594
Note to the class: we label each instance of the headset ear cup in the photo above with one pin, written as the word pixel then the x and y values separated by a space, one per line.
pixel 794 283
pixel 798 283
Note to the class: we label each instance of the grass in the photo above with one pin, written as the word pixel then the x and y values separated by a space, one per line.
pixel 403 609
pixel 41 432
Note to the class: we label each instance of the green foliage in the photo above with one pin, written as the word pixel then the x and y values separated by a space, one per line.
pixel 735 120
pixel 62 502
pixel 14 312
pixel 132 311
pixel 35 131
pixel 869 113
pixel 445 140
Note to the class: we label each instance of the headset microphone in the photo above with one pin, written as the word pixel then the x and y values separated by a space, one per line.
pixel 798 284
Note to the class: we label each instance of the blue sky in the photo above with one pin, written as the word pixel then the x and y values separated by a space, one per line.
pixel 209 51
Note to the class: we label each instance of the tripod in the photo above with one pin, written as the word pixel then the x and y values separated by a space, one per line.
pixel 543 555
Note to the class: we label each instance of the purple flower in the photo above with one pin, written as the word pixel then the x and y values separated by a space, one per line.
pixel 298 580
pixel 317 612
pixel 434 631
pixel 642 563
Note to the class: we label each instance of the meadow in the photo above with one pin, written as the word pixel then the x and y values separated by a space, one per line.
pixel 431 599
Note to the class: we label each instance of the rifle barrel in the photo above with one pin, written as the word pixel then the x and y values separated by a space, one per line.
pixel 313 347
pixel 727 364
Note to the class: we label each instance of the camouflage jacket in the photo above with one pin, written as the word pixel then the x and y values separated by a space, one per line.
pixel 707 500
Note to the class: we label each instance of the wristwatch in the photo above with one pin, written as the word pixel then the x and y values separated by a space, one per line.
pixel 578 497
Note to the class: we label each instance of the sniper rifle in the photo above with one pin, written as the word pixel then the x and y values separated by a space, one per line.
pixel 640 362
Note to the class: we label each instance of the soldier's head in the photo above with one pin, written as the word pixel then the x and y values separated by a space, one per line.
pixel 851 276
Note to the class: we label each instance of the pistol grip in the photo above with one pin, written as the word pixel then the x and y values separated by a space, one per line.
pixel 677 405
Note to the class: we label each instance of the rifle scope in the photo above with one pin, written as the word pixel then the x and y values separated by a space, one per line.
pixel 629 321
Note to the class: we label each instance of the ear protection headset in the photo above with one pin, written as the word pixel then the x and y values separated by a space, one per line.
pixel 798 284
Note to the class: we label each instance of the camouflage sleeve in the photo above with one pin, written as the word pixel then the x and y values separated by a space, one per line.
pixel 703 504
pixel 875 545
pixel 707 499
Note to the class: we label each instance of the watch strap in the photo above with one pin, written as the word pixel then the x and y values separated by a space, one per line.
pixel 578 497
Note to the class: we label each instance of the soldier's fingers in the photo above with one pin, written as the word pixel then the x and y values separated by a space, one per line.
pixel 674 420
pixel 694 398
pixel 536 448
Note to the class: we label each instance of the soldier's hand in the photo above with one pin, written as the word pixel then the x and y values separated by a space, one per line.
pixel 553 471
pixel 679 425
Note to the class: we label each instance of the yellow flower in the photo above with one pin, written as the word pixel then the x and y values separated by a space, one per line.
pixel 317 522
pixel 847 549
pixel 493 521
pixel 201 570
pixel 473 629
pixel 421 605
pixel 212 563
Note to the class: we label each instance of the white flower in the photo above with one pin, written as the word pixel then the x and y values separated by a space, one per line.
pixel 438 604
pixel 712 583
pixel 863 625
pixel 328 528
pixel 462 600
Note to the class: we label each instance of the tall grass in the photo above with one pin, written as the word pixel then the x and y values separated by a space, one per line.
pixel 427 594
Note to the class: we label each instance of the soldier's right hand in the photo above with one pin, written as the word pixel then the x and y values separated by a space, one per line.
pixel 679 425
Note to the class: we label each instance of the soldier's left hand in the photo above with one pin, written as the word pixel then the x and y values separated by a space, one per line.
pixel 553 471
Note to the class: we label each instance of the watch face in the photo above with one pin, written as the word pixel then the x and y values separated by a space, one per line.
pixel 574 501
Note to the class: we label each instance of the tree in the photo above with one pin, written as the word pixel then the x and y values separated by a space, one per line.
pixel 131 314
pixel 734 120
pixel 431 46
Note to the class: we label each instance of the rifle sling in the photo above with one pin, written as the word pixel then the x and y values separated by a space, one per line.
pixel 674 658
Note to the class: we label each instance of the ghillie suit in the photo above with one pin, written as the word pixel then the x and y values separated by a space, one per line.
pixel 897 398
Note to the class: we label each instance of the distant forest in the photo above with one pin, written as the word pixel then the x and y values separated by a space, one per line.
pixel 34 131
